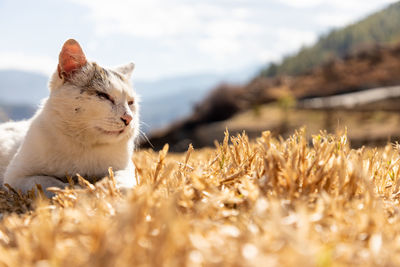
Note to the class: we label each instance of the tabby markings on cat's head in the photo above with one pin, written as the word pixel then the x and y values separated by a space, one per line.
pixel 95 104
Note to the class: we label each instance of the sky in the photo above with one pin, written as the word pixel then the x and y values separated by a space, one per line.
pixel 167 38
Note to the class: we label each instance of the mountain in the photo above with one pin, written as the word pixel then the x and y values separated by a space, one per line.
pixel 377 67
pixel 18 87
pixel 21 93
pixel 380 28
pixel 16 111
pixel 169 99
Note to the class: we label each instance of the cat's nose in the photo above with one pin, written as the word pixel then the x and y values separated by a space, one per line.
pixel 126 118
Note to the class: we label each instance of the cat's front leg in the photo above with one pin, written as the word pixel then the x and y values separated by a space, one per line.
pixel 125 179
pixel 27 183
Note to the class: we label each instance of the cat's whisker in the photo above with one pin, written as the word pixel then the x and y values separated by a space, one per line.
pixel 145 124
pixel 145 137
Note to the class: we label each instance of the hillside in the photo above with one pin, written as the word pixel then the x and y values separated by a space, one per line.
pixel 16 111
pixel 22 87
pixel 20 93
pixel 381 28
pixel 378 66
pixel 166 100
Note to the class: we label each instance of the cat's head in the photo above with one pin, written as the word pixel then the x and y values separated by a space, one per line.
pixel 90 103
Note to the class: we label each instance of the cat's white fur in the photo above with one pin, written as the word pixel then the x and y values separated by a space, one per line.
pixel 74 132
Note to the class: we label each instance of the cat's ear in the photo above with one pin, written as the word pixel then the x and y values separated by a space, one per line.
pixel 71 58
pixel 126 70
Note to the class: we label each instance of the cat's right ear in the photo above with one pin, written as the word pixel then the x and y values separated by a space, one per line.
pixel 71 58
pixel 126 69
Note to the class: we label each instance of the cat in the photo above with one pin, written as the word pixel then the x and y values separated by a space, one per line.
pixel 87 124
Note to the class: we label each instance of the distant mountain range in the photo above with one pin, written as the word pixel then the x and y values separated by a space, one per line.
pixel 166 100
pixel 380 28
pixel 20 93
pixel 21 87
pixel 162 101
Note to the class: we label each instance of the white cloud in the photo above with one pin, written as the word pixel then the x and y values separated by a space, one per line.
pixel 358 5
pixel 223 37
pixel 23 61
pixel 206 23
pixel 347 12
pixel 149 19
pixel 167 37
pixel 219 29
pixel 337 19
pixel 340 4
pixel 301 3
pixel 212 28
pixel 290 39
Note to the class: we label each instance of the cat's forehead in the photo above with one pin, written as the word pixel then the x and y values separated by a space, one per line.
pixel 110 80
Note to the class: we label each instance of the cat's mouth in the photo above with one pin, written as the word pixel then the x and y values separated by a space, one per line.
pixel 110 132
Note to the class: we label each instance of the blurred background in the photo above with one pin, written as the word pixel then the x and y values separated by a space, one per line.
pixel 203 66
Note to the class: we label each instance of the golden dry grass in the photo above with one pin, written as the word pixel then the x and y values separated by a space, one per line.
pixel 262 203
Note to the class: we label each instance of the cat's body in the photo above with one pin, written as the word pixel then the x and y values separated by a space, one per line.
pixel 12 134
pixel 87 125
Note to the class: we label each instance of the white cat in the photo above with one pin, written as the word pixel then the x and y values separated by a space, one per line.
pixel 86 125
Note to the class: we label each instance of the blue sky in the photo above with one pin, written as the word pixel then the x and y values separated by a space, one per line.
pixel 169 37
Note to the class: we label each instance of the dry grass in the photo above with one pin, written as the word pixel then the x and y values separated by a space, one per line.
pixel 372 127
pixel 267 203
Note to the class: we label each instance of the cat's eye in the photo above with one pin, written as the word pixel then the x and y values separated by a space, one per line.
pixel 130 102
pixel 105 96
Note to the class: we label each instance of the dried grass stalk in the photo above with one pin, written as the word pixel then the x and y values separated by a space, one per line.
pixel 264 203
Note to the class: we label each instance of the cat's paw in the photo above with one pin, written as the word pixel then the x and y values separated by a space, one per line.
pixel 125 179
pixel 26 184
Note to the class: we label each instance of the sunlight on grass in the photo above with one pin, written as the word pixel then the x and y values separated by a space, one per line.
pixel 263 203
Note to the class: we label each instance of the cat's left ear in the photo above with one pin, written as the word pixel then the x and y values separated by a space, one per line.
pixel 126 70
pixel 71 58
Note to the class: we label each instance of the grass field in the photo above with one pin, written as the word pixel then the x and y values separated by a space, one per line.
pixel 268 202
pixel 365 127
